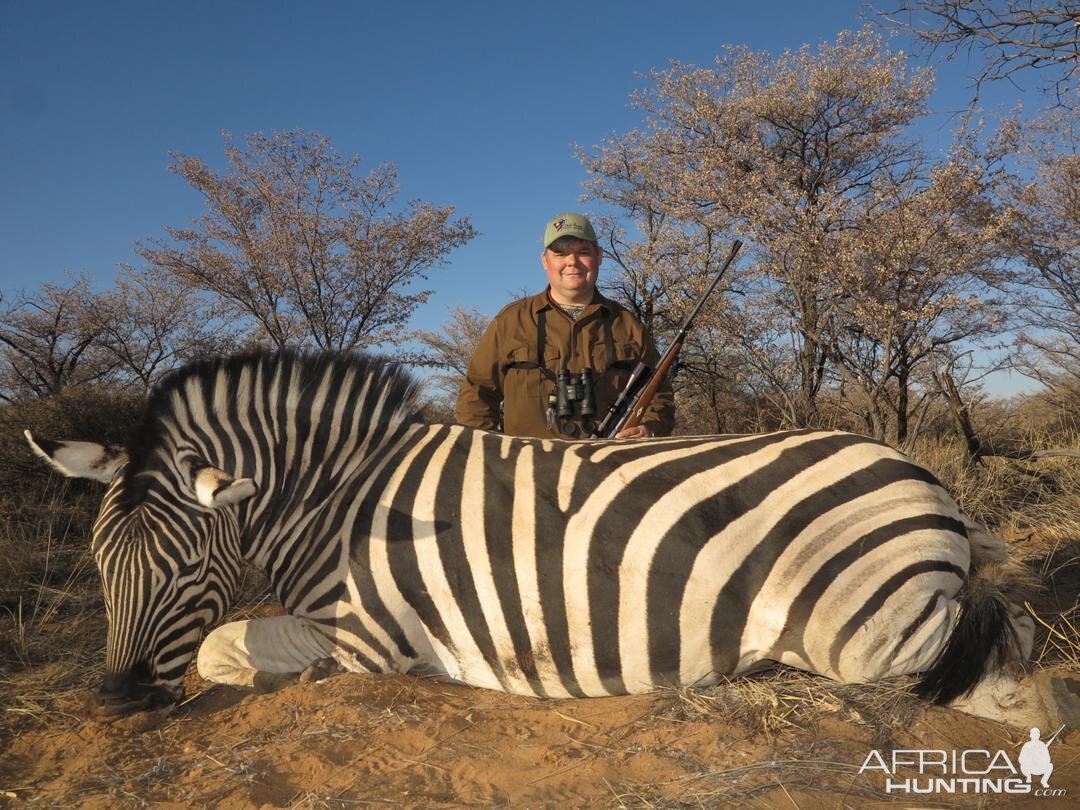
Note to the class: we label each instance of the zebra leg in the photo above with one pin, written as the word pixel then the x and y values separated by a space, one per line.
pixel 265 654
pixel 1045 699
pixel 979 668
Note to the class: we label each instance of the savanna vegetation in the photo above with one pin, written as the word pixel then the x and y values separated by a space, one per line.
pixel 880 284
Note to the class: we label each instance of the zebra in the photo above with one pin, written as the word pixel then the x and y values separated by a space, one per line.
pixel 539 567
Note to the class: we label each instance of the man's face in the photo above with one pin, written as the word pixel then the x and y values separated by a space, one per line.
pixel 572 269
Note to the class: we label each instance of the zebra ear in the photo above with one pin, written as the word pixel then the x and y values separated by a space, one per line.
pixel 98 462
pixel 215 488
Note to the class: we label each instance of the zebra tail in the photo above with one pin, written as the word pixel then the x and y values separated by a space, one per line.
pixel 986 637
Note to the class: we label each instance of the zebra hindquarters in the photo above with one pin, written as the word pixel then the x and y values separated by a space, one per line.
pixel 866 589
pixel 993 633
pixel 881 619
pixel 980 670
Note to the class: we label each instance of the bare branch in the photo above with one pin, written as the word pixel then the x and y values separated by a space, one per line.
pixel 1011 35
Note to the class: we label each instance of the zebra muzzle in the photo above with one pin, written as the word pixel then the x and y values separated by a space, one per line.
pixel 130 692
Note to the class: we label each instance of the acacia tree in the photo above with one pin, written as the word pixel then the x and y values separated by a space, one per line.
pixel 661 274
pixel 653 270
pixel 1012 35
pixel 451 349
pixel 296 242
pixel 1044 232
pixel 780 150
pixel 921 269
pixel 149 324
pixel 126 337
pixel 49 342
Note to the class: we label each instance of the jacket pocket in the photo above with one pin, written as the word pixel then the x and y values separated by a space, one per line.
pixel 525 390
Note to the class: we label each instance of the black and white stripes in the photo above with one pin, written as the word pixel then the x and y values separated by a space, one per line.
pixel 581 569
pixel 538 567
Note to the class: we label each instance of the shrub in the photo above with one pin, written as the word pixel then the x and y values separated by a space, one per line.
pixel 46 573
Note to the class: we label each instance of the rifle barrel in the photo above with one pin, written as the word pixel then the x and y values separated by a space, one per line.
pixel 631 417
pixel 689 320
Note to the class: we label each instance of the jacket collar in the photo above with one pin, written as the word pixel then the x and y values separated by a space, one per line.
pixel 542 300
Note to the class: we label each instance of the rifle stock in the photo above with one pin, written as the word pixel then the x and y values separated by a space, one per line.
pixel 624 416
pixel 616 414
pixel 633 415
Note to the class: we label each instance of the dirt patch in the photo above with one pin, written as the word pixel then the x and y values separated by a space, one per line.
pixel 777 739
pixel 394 740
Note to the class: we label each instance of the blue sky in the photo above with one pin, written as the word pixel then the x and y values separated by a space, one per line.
pixel 478 104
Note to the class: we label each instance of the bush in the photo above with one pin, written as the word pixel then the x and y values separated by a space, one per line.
pixel 46 571
pixel 1011 496
pixel 84 414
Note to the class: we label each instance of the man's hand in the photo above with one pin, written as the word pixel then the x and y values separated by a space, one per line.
pixel 637 432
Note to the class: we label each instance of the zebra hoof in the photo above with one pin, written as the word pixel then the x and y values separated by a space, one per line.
pixel 1057 693
pixel 264 682
pixel 115 705
pixel 320 670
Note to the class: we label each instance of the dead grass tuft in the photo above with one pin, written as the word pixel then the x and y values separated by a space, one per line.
pixel 779 698
pixel 1009 496
pixel 1056 606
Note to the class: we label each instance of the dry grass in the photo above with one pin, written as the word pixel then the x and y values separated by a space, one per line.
pixel 756 786
pixel 51 650
pixel 1009 496
pixel 52 635
pixel 775 708
pixel 52 617
pixel 1056 607
pixel 52 628
pixel 778 698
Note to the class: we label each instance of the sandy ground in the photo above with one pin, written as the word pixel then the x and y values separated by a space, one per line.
pixel 781 740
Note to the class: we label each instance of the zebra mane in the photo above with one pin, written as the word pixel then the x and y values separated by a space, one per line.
pixel 305 371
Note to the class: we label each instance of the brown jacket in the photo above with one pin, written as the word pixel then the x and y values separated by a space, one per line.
pixel 505 367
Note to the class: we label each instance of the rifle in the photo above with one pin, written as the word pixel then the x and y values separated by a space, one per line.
pixel 628 409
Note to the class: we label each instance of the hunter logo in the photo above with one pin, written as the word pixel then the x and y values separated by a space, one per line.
pixel 558 226
pixel 1035 757
pixel 977 771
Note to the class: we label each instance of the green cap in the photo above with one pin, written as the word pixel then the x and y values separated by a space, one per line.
pixel 569 224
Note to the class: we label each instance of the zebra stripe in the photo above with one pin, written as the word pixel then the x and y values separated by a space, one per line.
pixel 548 568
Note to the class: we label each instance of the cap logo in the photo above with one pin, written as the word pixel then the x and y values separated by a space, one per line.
pixel 558 226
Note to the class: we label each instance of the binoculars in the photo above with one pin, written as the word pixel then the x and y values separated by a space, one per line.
pixel 574 399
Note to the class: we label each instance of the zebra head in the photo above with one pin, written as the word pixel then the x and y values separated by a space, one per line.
pixel 169 562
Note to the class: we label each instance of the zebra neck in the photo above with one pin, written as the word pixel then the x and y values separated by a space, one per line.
pixel 295 524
